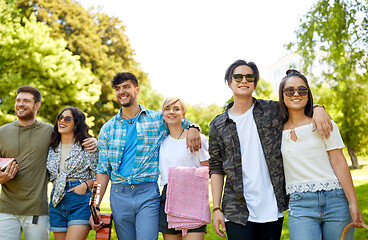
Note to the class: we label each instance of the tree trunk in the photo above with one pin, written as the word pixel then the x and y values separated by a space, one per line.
pixel 354 159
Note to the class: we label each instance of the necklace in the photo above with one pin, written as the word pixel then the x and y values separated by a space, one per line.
pixel 130 120
pixel 181 133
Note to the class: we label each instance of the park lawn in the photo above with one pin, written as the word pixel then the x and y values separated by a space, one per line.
pixel 361 186
pixel 363 171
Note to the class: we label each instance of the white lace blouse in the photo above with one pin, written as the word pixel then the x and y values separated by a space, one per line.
pixel 306 161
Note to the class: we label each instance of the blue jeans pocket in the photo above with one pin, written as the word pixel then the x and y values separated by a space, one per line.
pixel 295 202
pixel 87 193
pixel 340 193
pixel 296 196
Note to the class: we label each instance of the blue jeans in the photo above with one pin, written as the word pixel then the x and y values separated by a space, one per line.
pixel 135 209
pixel 319 215
pixel 73 209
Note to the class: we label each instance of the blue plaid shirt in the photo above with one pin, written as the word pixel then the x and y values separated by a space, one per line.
pixel 151 130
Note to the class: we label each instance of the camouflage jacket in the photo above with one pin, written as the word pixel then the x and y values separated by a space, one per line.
pixel 225 157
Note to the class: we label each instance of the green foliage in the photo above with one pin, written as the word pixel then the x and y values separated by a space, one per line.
pixel 203 115
pixel 103 47
pixel 150 98
pixel 28 56
pixel 361 191
pixel 264 90
pixel 333 38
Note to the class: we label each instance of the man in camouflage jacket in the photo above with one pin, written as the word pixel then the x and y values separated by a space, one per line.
pixel 226 157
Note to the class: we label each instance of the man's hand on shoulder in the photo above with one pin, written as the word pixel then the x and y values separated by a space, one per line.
pixel 194 139
pixel 90 144
pixel 322 121
pixel 9 173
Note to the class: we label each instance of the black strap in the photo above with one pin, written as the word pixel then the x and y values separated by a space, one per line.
pixel 35 219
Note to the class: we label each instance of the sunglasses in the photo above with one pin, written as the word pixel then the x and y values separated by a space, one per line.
pixel 290 91
pixel 239 77
pixel 66 118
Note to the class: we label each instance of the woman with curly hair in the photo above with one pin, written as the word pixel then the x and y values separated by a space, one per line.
pixel 72 170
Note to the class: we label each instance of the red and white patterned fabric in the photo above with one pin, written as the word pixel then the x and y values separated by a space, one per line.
pixel 187 203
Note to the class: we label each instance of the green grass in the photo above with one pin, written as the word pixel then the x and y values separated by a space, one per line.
pixel 361 186
pixel 361 171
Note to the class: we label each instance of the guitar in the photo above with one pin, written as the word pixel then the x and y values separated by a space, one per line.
pixel 105 232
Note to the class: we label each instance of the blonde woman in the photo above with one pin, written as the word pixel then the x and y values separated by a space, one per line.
pixel 173 153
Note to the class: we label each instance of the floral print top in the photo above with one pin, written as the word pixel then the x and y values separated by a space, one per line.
pixel 80 164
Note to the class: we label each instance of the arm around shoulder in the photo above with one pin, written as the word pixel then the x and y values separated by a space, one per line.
pixel 322 121
pixel 193 139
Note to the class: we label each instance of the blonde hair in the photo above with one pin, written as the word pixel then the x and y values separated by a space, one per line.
pixel 170 100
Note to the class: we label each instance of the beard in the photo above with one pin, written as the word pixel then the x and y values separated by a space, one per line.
pixel 29 114
pixel 127 104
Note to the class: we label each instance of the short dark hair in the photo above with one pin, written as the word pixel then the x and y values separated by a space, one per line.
pixel 237 63
pixel 29 89
pixel 308 110
pixel 80 130
pixel 122 77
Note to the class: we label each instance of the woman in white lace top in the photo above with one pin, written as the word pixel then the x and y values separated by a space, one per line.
pixel 322 196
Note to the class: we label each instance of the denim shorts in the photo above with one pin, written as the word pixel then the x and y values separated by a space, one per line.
pixel 73 209
pixel 319 215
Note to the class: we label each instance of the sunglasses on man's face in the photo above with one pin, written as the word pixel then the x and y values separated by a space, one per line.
pixel 290 91
pixel 66 118
pixel 239 77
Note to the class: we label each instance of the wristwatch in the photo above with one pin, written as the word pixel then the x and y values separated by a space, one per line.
pixel 193 125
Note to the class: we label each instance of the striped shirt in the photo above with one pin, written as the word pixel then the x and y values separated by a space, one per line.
pixel 151 130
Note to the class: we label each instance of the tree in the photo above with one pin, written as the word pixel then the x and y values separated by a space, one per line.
pixel 28 56
pixel 101 43
pixel 203 115
pixel 112 33
pixel 264 90
pixel 334 34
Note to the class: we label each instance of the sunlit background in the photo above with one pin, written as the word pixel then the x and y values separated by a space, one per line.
pixel 186 46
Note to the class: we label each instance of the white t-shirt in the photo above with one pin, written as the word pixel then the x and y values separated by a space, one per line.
pixel 306 162
pixel 257 186
pixel 65 150
pixel 174 153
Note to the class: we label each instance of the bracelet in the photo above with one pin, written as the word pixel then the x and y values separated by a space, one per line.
pixel 216 208
pixel 98 208
pixel 192 125
pixel 86 184
pixel 318 105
